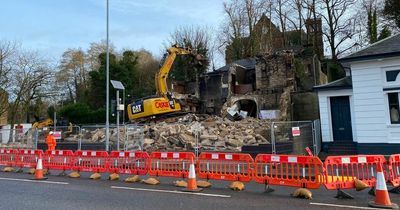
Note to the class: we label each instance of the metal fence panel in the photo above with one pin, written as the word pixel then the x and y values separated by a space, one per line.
pixel 18 138
pixel 317 136
pixel 292 137
pixel 134 137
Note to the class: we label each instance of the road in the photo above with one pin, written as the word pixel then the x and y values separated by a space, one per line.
pixel 18 192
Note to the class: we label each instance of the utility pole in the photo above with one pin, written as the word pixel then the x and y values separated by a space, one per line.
pixel 107 83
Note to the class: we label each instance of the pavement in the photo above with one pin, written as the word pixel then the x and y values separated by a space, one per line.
pixel 18 191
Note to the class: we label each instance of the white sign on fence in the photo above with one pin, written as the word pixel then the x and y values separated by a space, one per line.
pixel 57 134
pixel 295 131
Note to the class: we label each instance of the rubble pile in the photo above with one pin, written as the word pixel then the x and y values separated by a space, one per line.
pixel 179 134
pixel 17 145
pixel 213 134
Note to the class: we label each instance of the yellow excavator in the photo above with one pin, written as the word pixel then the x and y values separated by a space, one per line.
pixel 42 123
pixel 163 103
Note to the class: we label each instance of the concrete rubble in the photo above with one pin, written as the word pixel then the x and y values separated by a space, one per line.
pixel 213 134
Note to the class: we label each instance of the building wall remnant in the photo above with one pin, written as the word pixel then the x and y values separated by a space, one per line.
pixel 281 82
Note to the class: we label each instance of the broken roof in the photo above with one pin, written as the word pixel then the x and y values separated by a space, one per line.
pixel 247 63
pixel 388 47
pixel 343 83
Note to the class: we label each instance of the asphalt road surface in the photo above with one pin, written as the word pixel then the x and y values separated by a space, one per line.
pixel 19 192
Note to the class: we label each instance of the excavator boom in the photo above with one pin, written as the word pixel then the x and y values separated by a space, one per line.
pixel 161 76
pixel 164 103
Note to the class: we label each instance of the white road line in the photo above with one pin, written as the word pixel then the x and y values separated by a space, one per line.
pixel 36 181
pixel 341 206
pixel 171 191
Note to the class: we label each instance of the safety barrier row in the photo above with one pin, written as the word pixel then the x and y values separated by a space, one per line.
pixel 289 170
pixel 225 166
pixel 337 172
pixel 341 171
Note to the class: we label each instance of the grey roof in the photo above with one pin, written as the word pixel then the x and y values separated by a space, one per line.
pixel 247 63
pixel 388 47
pixel 343 83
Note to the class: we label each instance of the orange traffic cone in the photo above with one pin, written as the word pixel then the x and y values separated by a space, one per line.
pixel 382 199
pixel 39 169
pixel 191 183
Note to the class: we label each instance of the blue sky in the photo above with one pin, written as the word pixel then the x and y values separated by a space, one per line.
pixel 52 26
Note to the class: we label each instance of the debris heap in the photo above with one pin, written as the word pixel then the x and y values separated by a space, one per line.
pixel 180 133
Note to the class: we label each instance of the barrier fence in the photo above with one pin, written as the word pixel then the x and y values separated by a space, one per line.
pixel 27 158
pixel 394 169
pixel 225 166
pixel 337 172
pixel 90 161
pixel 58 160
pixel 128 162
pixel 341 171
pixel 288 170
pixel 172 164
pixel 8 157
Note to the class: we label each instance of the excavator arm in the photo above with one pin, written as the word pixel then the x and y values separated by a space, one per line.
pixel 161 76
pixel 163 103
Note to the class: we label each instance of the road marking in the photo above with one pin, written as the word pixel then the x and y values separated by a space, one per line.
pixel 36 181
pixel 341 206
pixel 172 191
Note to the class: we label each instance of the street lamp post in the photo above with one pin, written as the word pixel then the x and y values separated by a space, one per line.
pixel 118 86
pixel 107 83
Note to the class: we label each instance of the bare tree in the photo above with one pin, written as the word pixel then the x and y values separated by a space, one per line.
pixel 339 24
pixel 30 75
pixel 282 10
pixel 7 53
pixel 73 73
pixel 241 18
pixel 95 49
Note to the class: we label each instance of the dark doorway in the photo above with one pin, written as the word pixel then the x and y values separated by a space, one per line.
pixel 341 119
pixel 249 106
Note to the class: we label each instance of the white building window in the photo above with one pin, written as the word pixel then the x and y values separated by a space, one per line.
pixel 394 108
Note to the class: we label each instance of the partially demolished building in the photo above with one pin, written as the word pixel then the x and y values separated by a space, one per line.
pixel 275 84
pixel 270 86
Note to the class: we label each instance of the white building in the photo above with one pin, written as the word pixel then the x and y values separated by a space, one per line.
pixel 360 113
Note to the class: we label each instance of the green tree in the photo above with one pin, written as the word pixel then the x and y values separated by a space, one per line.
pixel 372 24
pixel 123 70
pixel 392 11
pixel 385 32
pixel 197 38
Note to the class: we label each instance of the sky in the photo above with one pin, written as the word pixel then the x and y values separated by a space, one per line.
pixel 52 26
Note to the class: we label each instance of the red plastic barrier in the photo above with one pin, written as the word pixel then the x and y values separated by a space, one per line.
pixel 288 170
pixel 27 158
pixel 394 169
pixel 8 157
pixel 58 159
pixel 90 161
pixel 225 166
pixel 172 164
pixel 128 162
pixel 340 171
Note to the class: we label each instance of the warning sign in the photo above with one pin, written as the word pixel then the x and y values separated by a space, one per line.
pixel 295 131
pixel 57 134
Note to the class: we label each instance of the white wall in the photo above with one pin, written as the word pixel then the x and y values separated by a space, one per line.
pixel 325 112
pixel 370 101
